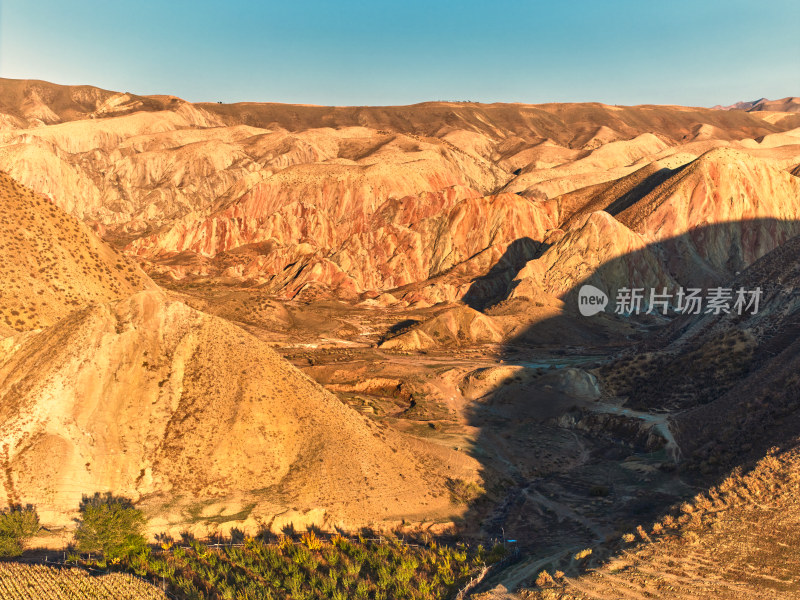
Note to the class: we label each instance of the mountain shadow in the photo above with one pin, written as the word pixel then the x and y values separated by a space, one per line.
pixel 493 287
pixel 594 425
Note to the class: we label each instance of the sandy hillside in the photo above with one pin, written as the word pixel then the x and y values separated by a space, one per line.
pixel 53 264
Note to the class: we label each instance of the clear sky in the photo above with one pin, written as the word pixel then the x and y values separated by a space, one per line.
pixel 346 52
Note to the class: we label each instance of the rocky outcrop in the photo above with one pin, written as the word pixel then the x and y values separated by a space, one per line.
pixel 403 241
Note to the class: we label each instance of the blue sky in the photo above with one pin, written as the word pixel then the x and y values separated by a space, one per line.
pixel 377 53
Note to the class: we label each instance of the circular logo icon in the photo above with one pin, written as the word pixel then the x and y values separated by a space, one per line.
pixel 591 300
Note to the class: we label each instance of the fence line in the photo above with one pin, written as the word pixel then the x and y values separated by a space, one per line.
pixel 485 572
pixel 472 583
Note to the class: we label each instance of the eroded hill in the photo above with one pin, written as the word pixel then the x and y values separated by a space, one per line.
pixel 350 203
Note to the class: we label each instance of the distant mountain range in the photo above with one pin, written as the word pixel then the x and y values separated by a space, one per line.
pixel 788 104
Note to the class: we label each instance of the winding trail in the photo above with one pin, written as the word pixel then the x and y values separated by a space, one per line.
pixel 660 422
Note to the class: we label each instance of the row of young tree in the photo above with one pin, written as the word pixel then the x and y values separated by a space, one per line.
pixel 108 525
pixel 314 567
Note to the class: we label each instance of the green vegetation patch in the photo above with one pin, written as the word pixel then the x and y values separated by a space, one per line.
pixel 312 567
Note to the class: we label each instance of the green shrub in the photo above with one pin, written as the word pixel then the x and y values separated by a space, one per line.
pixel 10 547
pixel 111 526
pixel 17 525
